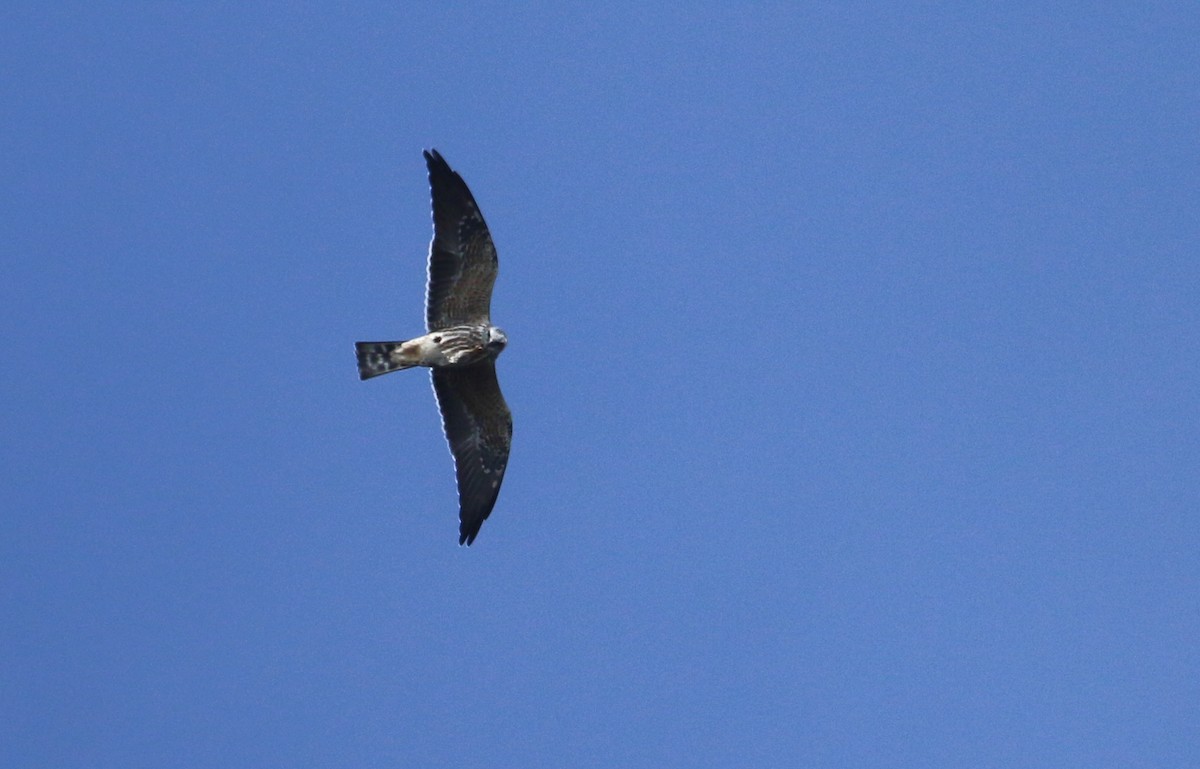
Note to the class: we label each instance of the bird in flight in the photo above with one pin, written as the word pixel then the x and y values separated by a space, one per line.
pixel 460 348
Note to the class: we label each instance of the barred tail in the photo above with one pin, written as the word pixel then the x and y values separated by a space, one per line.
pixel 375 358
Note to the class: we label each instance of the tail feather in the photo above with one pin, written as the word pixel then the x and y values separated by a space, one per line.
pixel 376 358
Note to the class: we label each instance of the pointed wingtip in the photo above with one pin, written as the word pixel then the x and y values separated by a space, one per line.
pixel 433 157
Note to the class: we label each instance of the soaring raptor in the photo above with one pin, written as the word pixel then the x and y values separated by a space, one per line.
pixel 460 348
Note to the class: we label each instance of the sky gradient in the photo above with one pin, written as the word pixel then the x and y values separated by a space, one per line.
pixel 853 362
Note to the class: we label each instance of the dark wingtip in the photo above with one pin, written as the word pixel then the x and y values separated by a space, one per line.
pixel 441 175
pixel 466 535
pixel 434 158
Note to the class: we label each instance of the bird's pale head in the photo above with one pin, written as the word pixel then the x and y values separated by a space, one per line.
pixel 496 340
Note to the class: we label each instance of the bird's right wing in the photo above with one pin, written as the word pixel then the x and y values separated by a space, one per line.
pixel 478 428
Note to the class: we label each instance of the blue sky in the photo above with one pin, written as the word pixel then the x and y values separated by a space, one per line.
pixel 853 361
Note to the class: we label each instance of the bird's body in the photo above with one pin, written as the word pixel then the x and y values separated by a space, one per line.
pixel 460 348
pixel 454 346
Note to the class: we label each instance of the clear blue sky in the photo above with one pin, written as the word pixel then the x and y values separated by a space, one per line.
pixel 854 360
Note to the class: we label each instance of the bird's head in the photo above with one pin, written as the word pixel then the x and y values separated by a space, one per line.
pixel 496 341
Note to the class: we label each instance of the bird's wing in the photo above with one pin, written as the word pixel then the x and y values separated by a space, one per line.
pixel 478 428
pixel 462 258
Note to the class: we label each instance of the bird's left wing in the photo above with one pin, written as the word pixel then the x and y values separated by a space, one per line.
pixel 462 258
pixel 478 428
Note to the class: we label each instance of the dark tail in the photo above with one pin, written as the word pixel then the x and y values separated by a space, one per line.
pixel 376 358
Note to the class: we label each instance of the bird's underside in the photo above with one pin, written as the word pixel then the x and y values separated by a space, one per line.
pixel 460 348
pixel 455 346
